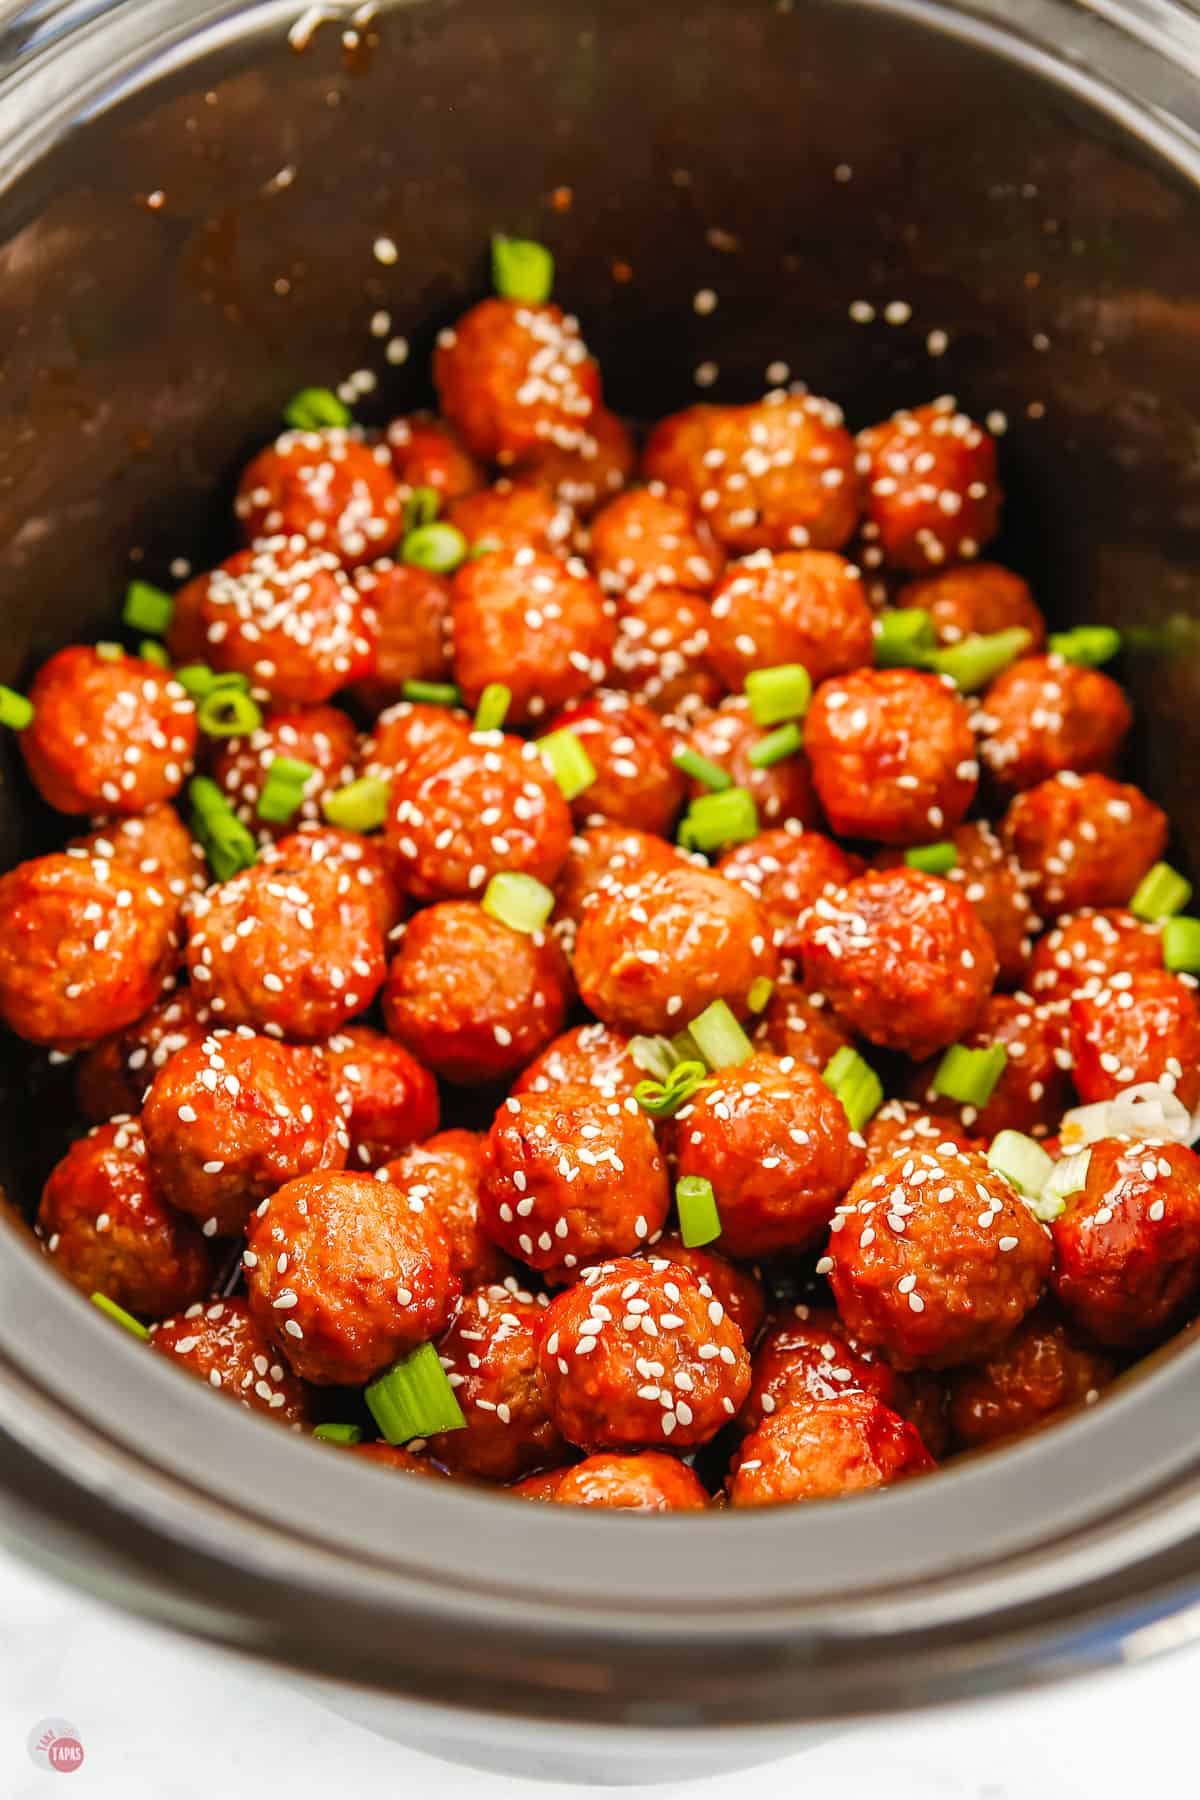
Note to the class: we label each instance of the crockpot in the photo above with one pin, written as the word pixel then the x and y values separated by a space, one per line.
pixel 204 204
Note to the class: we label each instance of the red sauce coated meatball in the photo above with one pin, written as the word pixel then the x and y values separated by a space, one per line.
pixel 903 1125
pixel 993 883
pixel 646 1482
pixel 346 1273
pixel 1041 1370
pixel 934 1259
pixel 1136 1027
pixel 802 606
pixel 1033 1088
pixel 782 791
pixel 222 1344
pixel 975 600
pixel 637 781
pixel 320 736
pixel 800 1023
pixel 1044 715
pixel 399 1460
pixel 327 487
pixel 108 1229
pixel 511 377
pixel 806 1355
pixel 592 471
pixel 406 732
pixel 1083 840
pixel 540 626
pixel 427 454
pixel 932 492
pixel 739 1288
pixel 414 634
pixel 360 862
pixel 661 653
pixel 589 1056
pixel 490 1355
pixel 389 1098
pixel 110 734
pixel 114 1075
pixel 903 959
pixel 1087 947
pixel 514 515
pixel 444 1174
pixel 786 870
pixel 609 859
pixel 825 1449
pixel 639 1354
pixel 156 843
pixel 650 538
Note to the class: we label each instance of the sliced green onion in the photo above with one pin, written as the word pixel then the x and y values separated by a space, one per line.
pixel 359 806
pixel 421 508
pixel 314 408
pixel 969 1076
pixel 208 802
pixel 711 774
pixel 414 1399
pixel 334 1433
pixel 779 693
pixel 227 844
pixel 519 901
pixel 760 992
pixel 282 792
pixel 656 1055
pixel 568 762
pixel 663 1099
pixel 904 638
pixel 147 608
pixel 714 820
pixel 483 547
pixel 699 1220
pixel 15 710
pixel 109 651
pixel 1022 1161
pixel 228 711
pixel 685 1048
pixel 492 710
pixel 437 547
pixel 1181 946
pixel 978 660
pixel 1068 1176
pixel 125 1319
pixel 776 746
pixel 197 679
pixel 1161 892
pixel 932 859
pixel 719 1038
pixel 153 652
pixel 522 270
pixel 431 693
pixel 851 1077
pixel 1088 645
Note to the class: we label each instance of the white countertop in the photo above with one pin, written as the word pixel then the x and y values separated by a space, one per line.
pixel 162 1719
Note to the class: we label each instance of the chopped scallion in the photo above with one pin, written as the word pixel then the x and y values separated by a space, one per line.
pixel 568 762
pixel 904 638
pixel 1161 892
pixel 1022 1161
pixel 978 660
pixel 414 1399
pixel 110 652
pixel 361 805
pixel 1089 645
pixel 760 992
pixel 699 1220
pixel 228 711
pixel 662 1099
pixel 147 608
pixel 522 270
pixel 334 1433
pixel 315 409
pixel 282 792
pixel 1181 946
pixel 15 710
pixel 710 774
pixel 117 1313
pixel 776 746
pixel 851 1077
pixel 1068 1176
pixel 518 901
pixel 421 508
pixel 656 1055
pixel 714 820
pixel 151 651
pixel 492 710
pixel 439 547
pixel 932 859
pixel 431 693
pixel 969 1076
pixel 720 1039
pixel 779 693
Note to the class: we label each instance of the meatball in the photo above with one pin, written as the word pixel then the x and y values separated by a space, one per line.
pixel 406 732
pixel 652 957
pixel 85 947
pixel 571 1175
pixel 540 626
pixel 802 606
pixel 590 473
pixel 1083 840
pixel 543 1487
pixel 650 538
pixel 472 998
pixel 932 492
pixel 512 377
pixel 346 1273
pixel 427 454
pixel 114 1075
pixel 779 475
pixel 903 1125
pixel 639 1353
pixel 291 948
pixel 515 515
pixel 806 1355
pixel 975 600
pixel 222 1344
pixel 934 1259
pixel 785 871
pixel 390 1100
pixel 326 487
pixel 395 1457
pixel 775 1143
pixel 459 816
pixel 892 755
pixel 637 781
pixel 661 653
pixel 800 1023
pixel 824 1449
pixel 109 1231
pixel 414 638
pixel 739 1289
pixel 320 736
pixel 1127 1245
pixel 609 859
pixel 490 1355
pixel 360 862
pixel 903 959
pixel 156 843
pixel 1136 1027
pixel 1039 1371
pixel 109 734
pixel 1033 1090
pixel 782 791
pixel 647 1482
pixel 444 1174
pixel 1044 715
pixel 1086 948
pixel 992 882
pixel 586 1056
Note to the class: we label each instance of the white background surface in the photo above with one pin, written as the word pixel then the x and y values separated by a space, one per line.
pixel 161 1719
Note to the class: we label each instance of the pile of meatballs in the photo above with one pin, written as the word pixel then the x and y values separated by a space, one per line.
pixel 273 1174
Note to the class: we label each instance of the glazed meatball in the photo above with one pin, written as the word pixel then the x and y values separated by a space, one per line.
pixel 543 1486
pixel 589 1056
pixel 650 958
pixel 490 1355
pixel 1136 1027
pixel 326 487
pixel 1083 840
pixel 806 1355
pixel 785 871
pixel 460 816
pixel 1127 1245
pixel 802 606
pixel 637 781
pixel 932 492
pixel 427 454
pixel 156 843
pixel 779 475
pixel 1040 1370
pixel 114 1075
pixel 824 1449
pixel 414 636
pixel 395 1457
pixel 1033 1089
pixel 110 734
pixel 571 1175
pixel 540 626
pixel 903 1125
pixel 934 1259
pixel 782 791
pixel 974 601
pixel 609 859
pixel 410 730
pixel 892 755
pixel 291 948
pixel 591 472
pixel 647 1482
pixel 360 862
pixel 515 515
pixel 470 997
pixel 444 1174
pixel 85 947
pixel 775 1143
pixel 903 959
pixel 511 377
pixel 346 1273
pixel 389 1099
pixel 650 538
pixel 1086 948
pixel 993 883
pixel 639 1353
pixel 661 653
pixel 109 1231
pixel 739 1288
pixel 222 1344
pixel 230 1119
pixel 1044 715
pixel 801 1024
pixel 320 736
